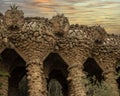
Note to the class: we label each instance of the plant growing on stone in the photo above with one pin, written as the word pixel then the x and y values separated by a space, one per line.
pixel 99 90
pixel 2 73
pixel 13 7
pixel 96 88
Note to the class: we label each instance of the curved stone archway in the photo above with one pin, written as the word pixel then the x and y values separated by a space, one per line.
pixel 94 78
pixel 56 68
pixel 12 59
pixel 59 76
pixel 93 69
pixel 15 66
pixel 25 41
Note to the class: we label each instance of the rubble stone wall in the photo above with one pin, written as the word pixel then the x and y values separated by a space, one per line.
pixel 37 37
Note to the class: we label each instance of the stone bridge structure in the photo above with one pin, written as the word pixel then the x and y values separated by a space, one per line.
pixel 42 48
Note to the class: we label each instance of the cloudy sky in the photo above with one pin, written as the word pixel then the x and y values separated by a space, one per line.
pixel 90 12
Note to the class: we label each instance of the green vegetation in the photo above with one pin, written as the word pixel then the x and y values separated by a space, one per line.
pixel 2 73
pixel 96 88
pixel 13 7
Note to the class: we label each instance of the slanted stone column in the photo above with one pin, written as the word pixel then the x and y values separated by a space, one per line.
pixel 110 76
pixel 36 78
pixel 4 85
pixel 76 81
pixel 111 81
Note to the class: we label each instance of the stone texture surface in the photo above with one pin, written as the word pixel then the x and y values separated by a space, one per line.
pixel 76 87
pixel 36 79
pixel 34 38
pixel 4 86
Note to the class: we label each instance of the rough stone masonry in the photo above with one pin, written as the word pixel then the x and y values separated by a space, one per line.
pixel 34 38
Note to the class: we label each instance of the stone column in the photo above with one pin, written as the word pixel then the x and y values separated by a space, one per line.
pixel 110 79
pixel 36 78
pixel 4 85
pixel 76 81
pixel 110 76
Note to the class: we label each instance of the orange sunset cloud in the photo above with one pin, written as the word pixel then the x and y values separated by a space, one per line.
pixel 42 1
pixel 83 12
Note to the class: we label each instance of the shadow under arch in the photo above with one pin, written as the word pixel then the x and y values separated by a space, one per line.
pixel 15 65
pixel 93 69
pixel 94 77
pixel 56 68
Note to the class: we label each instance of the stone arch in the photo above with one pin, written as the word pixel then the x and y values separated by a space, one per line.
pixel 15 66
pixel 93 69
pixel 56 68
pixel 94 76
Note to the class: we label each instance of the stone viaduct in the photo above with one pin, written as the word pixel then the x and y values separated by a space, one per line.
pixel 38 47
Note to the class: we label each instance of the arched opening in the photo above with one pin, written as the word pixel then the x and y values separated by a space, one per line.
pixel 15 65
pixel 15 77
pixel 93 69
pixel 55 68
pixel 94 77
